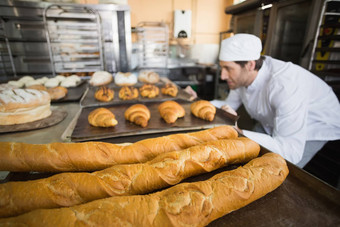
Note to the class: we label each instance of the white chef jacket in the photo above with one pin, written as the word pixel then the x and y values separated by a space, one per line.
pixel 292 104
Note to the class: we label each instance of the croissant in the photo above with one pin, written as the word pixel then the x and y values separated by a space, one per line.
pixel 104 94
pixel 203 109
pixel 170 111
pixel 138 114
pixel 102 117
pixel 170 89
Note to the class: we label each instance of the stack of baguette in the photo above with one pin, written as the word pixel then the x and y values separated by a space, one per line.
pixel 118 193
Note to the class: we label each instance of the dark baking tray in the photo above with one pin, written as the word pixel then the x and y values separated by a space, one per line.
pixel 84 131
pixel 89 99
pixel 74 93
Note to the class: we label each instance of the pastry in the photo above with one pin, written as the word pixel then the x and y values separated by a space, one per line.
pixel 57 93
pixel 149 77
pixel 38 87
pixel 104 94
pixel 128 93
pixel 125 79
pixel 138 114
pixel 89 156
pixel 149 91
pixel 102 117
pixel 18 106
pixel 101 78
pixel 203 109
pixel 170 111
pixel 131 179
pixel 170 89
pixel 186 204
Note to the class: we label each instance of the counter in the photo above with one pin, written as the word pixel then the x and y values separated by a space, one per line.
pixel 302 200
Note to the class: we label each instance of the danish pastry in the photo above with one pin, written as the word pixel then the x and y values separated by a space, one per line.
pixel 149 91
pixel 128 93
pixel 104 94
pixel 170 89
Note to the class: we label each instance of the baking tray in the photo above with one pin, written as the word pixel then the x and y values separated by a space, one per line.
pixel 84 131
pixel 74 93
pixel 89 99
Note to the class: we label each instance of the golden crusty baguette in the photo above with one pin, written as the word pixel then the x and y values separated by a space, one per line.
pixel 69 189
pixel 203 109
pixel 186 204
pixel 170 111
pixel 90 156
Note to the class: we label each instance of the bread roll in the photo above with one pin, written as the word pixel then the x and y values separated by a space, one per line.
pixel 125 79
pixel 149 77
pixel 101 78
pixel 203 109
pixel 69 189
pixel 170 111
pixel 186 204
pixel 89 156
pixel 138 114
pixel 104 94
pixel 102 117
pixel 57 93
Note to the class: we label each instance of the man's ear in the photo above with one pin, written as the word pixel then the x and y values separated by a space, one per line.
pixel 251 65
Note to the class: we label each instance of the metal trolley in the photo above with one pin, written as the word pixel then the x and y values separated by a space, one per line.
pixel 74 38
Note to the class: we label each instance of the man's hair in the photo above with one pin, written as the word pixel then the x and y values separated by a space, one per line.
pixel 258 63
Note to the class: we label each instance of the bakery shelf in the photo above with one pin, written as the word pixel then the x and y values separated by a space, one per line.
pixel 74 38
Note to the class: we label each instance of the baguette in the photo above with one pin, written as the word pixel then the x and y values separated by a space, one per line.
pixel 186 204
pixel 90 156
pixel 69 189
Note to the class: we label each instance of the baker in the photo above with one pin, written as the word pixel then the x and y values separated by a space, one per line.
pixel 297 112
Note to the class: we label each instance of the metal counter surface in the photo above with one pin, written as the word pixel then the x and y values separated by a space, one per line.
pixel 302 200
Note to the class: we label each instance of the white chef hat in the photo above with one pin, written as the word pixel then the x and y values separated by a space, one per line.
pixel 241 47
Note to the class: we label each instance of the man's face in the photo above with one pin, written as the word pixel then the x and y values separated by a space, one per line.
pixel 234 74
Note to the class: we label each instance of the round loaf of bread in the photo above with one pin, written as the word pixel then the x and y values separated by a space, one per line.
pixel 149 77
pixel 125 79
pixel 100 78
pixel 19 106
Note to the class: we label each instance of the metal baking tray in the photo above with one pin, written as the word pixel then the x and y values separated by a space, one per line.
pixel 83 131
pixel 74 93
pixel 89 100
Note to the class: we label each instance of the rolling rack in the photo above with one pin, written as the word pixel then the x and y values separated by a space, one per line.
pixel 74 38
pixel 6 59
pixel 153 42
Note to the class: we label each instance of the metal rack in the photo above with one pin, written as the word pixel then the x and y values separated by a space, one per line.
pixel 325 57
pixel 74 38
pixel 153 41
pixel 6 59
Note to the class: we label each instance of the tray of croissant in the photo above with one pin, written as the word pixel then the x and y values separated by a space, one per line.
pixel 84 130
pixel 112 94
